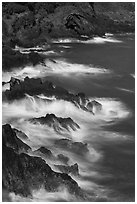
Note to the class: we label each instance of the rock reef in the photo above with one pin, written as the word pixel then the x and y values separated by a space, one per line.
pixel 33 87
pixel 22 173
pixel 57 123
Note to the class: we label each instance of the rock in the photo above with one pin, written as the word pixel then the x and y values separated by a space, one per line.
pixel 20 134
pixel 69 169
pixel 94 106
pixel 63 158
pixel 71 146
pixel 43 150
pixel 28 26
pixel 14 59
pixel 22 174
pixel 81 99
pixel 57 123
pixel 33 86
pixel 14 82
pixel 10 139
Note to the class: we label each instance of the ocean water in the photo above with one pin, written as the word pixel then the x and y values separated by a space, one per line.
pixel 104 69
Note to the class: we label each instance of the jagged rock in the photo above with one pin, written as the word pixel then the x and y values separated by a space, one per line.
pixel 63 158
pixel 14 82
pixel 94 106
pixel 78 23
pixel 22 173
pixel 33 86
pixel 12 58
pixel 81 99
pixel 57 123
pixel 10 139
pixel 43 150
pixel 69 169
pixel 75 147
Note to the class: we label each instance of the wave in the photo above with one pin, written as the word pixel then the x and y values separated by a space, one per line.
pixel 112 109
pixel 90 131
pixel 133 75
pixel 54 67
pixel 41 195
pixel 94 40
pixel 125 90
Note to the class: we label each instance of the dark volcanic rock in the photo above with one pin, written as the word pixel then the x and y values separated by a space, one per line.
pixel 30 24
pixel 72 146
pixel 10 139
pixel 94 106
pixel 33 86
pixel 57 123
pixel 79 24
pixel 22 173
pixel 12 58
pixel 69 169
pixel 43 150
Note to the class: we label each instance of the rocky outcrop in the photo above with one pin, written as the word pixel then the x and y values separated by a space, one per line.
pixel 73 169
pixel 22 173
pixel 57 123
pixel 10 139
pixel 33 86
pixel 71 146
pixel 12 59
pixel 94 106
pixel 30 24
pixel 79 24
pixel 44 151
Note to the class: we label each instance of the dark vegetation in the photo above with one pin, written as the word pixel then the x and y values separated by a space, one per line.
pixel 29 24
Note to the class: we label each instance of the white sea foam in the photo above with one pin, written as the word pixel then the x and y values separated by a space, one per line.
pixel 133 75
pixel 94 40
pixel 65 46
pixel 42 195
pixel 18 112
pixel 54 67
pixel 125 90
pixel 112 110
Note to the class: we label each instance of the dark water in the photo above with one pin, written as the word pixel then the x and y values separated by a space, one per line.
pixel 118 157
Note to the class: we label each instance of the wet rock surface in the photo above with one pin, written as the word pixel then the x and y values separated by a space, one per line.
pixel 75 147
pixel 10 139
pixel 73 169
pixel 57 123
pixel 44 151
pixel 33 87
pixel 22 173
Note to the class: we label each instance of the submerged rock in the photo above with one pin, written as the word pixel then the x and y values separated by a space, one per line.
pixel 20 134
pixel 63 158
pixel 76 147
pixel 73 169
pixel 43 150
